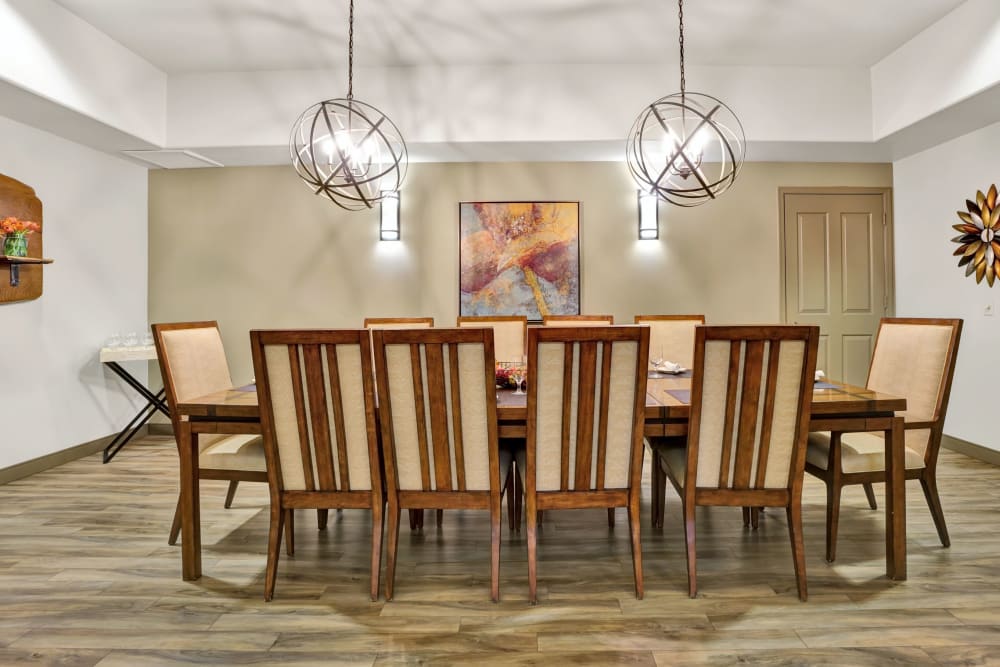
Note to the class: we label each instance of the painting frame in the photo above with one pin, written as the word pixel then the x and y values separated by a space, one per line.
pixel 519 257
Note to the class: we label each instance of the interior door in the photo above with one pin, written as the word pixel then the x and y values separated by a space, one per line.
pixel 837 274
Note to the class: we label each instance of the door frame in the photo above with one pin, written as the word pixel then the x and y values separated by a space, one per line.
pixel 887 231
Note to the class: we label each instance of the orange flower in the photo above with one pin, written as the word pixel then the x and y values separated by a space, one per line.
pixel 12 225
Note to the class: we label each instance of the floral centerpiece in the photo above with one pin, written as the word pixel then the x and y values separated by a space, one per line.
pixel 15 235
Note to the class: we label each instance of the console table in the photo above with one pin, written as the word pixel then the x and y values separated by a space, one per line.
pixel 110 357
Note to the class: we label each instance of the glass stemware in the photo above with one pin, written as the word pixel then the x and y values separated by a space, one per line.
pixel 517 375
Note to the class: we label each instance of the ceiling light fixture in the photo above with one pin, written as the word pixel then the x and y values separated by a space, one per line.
pixel 346 149
pixel 685 148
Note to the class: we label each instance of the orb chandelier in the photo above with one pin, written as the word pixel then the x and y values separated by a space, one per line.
pixel 346 149
pixel 685 148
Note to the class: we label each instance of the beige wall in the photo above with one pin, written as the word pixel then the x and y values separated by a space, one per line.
pixel 252 247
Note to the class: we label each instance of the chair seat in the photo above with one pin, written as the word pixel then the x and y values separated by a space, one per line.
pixel 232 452
pixel 859 452
pixel 672 457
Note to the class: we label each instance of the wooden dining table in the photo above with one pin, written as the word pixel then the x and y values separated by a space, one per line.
pixel 835 407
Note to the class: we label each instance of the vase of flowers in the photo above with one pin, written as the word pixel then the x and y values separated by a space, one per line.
pixel 15 235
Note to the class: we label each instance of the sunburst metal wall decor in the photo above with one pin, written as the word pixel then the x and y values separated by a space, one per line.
pixel 979 241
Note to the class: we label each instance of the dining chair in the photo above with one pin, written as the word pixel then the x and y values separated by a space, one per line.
pixel 509 333
pixel 586 403
pixel 671 338
pixel 193 363
pixel 577 320
pixel 913 358
pixel 317 412
pixel 749 418
pixel 437 411
pixel 372 323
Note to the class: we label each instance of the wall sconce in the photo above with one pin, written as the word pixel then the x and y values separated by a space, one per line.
pixel 388 228
pixel 649 224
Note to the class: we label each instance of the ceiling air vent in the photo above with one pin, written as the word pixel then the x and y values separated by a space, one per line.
pixel 174 159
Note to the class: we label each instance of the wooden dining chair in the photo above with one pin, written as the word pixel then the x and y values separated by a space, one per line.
pixel 317 413
pixel 671 338
pixel 577 320
pixel 913 358
pixel 372 323
pixel 509 333
pixel 192 364
pixel 437 410
pixel 586 403
pixel 746 444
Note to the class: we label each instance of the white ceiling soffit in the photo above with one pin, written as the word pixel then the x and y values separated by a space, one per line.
pixel 173 159
pixel 247 35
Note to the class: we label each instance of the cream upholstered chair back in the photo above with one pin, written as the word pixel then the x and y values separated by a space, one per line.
pixel 317 409
pixel 508 333
pixel 671 337
pixel 192 359
pixel 577 320
pixel 915 358
pixel 438 409
pixel 750 400
pixel 586 403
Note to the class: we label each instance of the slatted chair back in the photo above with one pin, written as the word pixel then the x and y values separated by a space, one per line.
pixel 316 394
pixel 671 337
pixel 398 322
pixel 577 320
pixel 317 414
pixel 749 418
pixel 586 399
pixel 509 333
pixel 438 409
pixel 915 358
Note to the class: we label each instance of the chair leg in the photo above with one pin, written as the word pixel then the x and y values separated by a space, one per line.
pixel 416 519
pixel 378 513
pixel 832 519
pixel 290 532
pixel 658 485
pixel 273 550
pixel 746 517
pixel 870 494
pixel 794 513
pixel 175 527
pixel 440 516
pixel 390 556
pixel 533 516
pixel 929 483
pixel 508 490
pixel 754 518
pixel 689 543
pixel 611 518
pixel 231 493
pixel 634 534
pixel 495 511
pixel 322 516
pixel 518 500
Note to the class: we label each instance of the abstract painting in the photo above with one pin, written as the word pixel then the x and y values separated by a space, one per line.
pixel 519 258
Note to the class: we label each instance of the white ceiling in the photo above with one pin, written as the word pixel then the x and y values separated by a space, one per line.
pixel 244 35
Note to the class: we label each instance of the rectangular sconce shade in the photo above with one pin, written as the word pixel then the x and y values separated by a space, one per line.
pixel 649 225
pixel 388 229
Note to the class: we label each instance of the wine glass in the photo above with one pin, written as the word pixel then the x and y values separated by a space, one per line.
pixel 518 376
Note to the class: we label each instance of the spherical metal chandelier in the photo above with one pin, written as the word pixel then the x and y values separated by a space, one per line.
pixel 685 148
pixel 346 149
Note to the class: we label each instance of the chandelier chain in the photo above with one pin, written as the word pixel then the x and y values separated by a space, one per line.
pixel 680 40
pixel 350 53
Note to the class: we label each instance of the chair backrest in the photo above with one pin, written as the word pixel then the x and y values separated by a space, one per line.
pixel 508 333
pixel 192 360
pixel 915 358
pixel 398 322
pixel 671 337
pixel 577 320
pixel 586 405
pixel 750 400
pixel 437 406
pixel 317 407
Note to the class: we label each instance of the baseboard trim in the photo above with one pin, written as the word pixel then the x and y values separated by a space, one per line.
pixel 971 449
pixel 43 463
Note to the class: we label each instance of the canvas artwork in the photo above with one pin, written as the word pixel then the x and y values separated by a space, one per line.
pixel 519 258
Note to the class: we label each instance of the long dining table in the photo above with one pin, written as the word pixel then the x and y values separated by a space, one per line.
pixel 835 407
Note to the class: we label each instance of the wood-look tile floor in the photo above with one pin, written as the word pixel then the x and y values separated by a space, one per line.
pixel 86 578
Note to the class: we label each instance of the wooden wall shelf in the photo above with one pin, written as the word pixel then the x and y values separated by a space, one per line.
pixel 10 259
pixel 18 200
